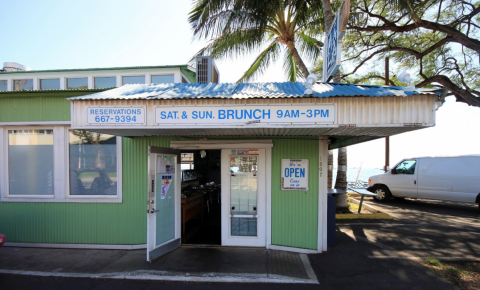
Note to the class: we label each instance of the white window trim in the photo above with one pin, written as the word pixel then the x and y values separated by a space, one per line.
pixel 134 75
pixel 39 82
pixel 65 85
pixel 93 198
pixel 61 186
pixel 94 77
pixel 164 74
pixel 13 84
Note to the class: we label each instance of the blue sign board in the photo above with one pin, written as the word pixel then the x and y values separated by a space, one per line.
pixel 332 46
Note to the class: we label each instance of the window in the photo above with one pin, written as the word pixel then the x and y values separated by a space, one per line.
pixel 3 85
pixel 77 84
pixel 187 161
pixel 50 84
pixel 23 85
pixel 105 82
pixel 30 162
pixel 165 79
pixel 134 80
pixel 93 163
pixel 406 167
pixel 55 164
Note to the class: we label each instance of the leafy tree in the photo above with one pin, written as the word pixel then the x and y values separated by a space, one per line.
pixel 288 28
pixel 437 40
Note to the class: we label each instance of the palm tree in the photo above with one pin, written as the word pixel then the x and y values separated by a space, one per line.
pixel 236 28
pixel 341 180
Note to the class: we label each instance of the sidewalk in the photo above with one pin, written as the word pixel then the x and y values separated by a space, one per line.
pixel 345 266
pixel 210 264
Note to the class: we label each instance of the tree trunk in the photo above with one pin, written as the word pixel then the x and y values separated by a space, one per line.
pixel 297 58
pixel 328 14
pixel 341 181
pixel 330 169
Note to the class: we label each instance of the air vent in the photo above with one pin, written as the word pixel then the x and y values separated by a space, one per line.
pixel 207 71
pixel 14 66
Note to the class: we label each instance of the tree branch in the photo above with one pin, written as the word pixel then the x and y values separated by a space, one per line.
pixel 462 95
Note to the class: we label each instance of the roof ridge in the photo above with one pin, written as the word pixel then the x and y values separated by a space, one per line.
pixel 95 68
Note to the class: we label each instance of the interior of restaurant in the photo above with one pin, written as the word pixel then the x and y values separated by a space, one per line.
pixel 201 197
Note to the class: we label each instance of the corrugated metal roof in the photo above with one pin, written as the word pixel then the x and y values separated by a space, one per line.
pixel 247 90
pixel 99 68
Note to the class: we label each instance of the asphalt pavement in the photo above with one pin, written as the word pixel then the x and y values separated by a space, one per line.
pixel 369 254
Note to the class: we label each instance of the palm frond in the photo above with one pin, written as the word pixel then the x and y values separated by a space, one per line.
pixel 310 47
pixel 262 62
pixel 234 43
pixel 290 67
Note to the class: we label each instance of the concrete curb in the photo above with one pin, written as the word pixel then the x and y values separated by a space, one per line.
pixel 377 215
pixel 168 276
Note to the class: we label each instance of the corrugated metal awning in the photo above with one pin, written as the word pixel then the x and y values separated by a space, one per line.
pixel 248 90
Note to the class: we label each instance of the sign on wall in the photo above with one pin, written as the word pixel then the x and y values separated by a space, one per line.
pixel 245 114
pixel 294 174
pixel 116 115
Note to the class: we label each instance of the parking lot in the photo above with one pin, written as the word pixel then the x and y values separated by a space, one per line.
pixel 421 229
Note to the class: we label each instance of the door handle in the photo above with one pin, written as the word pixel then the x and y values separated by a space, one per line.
pixel 154 210
pixel 414 182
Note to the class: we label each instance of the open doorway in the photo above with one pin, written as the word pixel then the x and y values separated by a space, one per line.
pixel 201 197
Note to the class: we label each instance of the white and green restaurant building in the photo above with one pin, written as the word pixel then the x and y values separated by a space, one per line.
pixel 92 158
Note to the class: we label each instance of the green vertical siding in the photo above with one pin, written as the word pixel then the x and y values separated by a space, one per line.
pixel 37 106
pixel 295 213
pixel 89 223
pixel 24 109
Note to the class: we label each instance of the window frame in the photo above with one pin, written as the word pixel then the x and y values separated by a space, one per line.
pixel 75 77
pixel 61 168
pixel 144 79
pixel 94 198
pixel 94 86
pixel 39 85
pixel 155 75
pixel 6 85
pixel 13 84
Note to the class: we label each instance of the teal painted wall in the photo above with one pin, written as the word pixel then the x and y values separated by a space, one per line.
pixel 295 213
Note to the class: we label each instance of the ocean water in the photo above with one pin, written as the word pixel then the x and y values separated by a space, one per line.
pixel 352 173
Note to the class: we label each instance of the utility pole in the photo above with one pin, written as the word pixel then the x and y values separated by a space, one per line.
pixel 387 139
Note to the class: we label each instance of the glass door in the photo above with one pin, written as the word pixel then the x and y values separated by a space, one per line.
pixel 243 222
pixel 163 212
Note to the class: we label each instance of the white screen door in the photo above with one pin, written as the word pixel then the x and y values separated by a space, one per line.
pixel 163 213
pixel 243 197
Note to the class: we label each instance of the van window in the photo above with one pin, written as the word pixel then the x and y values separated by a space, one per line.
pixel 406 167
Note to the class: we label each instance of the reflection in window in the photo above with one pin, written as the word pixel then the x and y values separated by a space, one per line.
pixel 165 79
pixel 3 85
pixel 105 82
pixel 23 85
pixel 77 84
pixel 30 162
pixel 134 80
pixel 406 167
pixel 243 164
pixel 187 161
pixel 50 84
pixel 93 163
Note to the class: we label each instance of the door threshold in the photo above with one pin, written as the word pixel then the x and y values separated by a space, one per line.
pixel 200 246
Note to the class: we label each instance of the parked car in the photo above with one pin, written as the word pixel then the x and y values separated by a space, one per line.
pixel 455 178
pixel 2 240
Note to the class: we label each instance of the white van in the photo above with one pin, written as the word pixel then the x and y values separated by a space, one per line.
pixel 455 178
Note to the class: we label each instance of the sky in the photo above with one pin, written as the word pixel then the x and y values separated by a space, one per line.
pixel 52 34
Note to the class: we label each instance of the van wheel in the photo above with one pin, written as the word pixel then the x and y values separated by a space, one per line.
pixel 382 193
